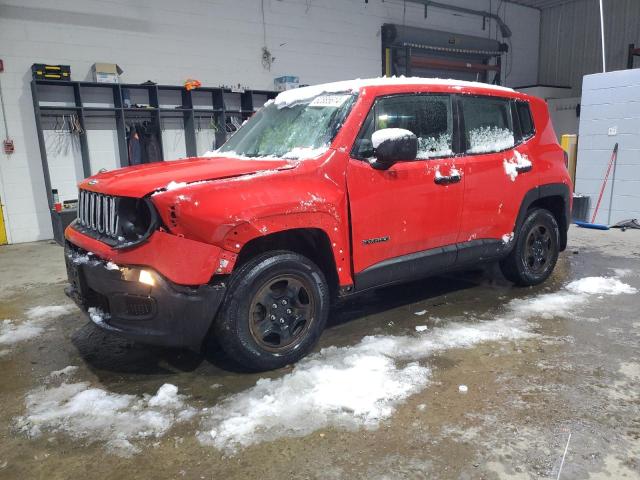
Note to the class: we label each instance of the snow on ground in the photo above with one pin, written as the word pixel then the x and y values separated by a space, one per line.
pixel 64 372
pixel 600 285
pixel 349 387
pixel 93 414
pixel 362 385
pixel 565 301
pixel 346 387
pixel 12 332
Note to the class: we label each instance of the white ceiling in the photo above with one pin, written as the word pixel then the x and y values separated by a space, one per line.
pixel 541 4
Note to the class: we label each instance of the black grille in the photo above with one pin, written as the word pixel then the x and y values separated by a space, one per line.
pixel 99 213
pixel 139 307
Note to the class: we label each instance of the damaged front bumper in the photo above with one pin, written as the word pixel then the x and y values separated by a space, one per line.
pixel 154 311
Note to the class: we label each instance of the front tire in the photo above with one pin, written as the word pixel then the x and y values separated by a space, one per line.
pixel 534 256
pixel 276 308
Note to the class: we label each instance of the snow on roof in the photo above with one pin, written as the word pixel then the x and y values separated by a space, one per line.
pixel 297 95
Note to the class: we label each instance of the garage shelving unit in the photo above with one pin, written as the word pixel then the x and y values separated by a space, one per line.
pixel 89 100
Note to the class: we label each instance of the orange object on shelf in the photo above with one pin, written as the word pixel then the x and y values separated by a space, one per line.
pixel 191 84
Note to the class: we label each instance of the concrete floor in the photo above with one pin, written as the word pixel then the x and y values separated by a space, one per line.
pixel 547 370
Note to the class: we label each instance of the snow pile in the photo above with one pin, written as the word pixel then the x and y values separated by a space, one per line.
pixel 600 286
pixel 64 372
pixel 305 94
pixel 48 312
pixel 511 166
pixel 94 414
pixel 348 387
pixel 385 134
pixel 490 139
pixel 564 302
pixel 12 332
pixel 547 306
pixel 430 147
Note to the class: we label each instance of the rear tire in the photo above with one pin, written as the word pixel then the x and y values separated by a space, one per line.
pixel 275 310
pixel 534 256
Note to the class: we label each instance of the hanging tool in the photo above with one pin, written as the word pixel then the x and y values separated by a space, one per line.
pixel 594 225
pixel 7 144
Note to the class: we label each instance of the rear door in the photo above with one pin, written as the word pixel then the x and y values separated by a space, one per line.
pixel 495 163
pixel 403 217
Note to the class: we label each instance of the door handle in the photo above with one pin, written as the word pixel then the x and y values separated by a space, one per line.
pixel 523 168
pixel 448 179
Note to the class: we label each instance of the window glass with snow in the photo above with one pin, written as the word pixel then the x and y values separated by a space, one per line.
pixel 429 117
pixel 488 124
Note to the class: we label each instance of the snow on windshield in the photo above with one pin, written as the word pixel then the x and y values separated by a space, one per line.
pixel 490 139
pixel 293 132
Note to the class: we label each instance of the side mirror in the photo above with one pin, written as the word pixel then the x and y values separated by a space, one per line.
pixel 392 145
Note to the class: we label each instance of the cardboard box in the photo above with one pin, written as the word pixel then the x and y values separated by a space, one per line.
pixel 106 72
pixel 286 83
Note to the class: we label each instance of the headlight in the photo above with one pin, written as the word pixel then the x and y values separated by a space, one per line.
pixel 146 277
pixel 137 218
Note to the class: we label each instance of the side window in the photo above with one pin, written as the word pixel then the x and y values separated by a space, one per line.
pixel 429 117
pixel 526 121
pixel 488 124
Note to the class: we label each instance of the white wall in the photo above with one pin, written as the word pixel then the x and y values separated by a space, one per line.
pixel 215 41
pixel 610 114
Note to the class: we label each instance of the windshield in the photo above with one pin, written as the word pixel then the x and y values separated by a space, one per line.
pixel 303 130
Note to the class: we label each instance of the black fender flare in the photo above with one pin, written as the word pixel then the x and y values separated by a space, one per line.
pixel 545 191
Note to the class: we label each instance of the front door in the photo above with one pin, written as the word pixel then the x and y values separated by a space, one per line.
pixel 405 219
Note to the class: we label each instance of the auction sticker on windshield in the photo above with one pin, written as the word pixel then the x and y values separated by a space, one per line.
pixel 329 101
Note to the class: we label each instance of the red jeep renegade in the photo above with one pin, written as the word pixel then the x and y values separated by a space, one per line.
pixel 327 191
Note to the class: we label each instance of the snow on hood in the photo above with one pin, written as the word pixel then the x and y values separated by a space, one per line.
pixel 298 95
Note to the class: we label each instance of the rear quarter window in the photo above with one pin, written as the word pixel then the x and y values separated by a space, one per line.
pixel 488 125
pixel 527 129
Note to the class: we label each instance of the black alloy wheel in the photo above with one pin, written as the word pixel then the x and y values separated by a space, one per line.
pixel 282 311
pixel 535 249
pixel 275 309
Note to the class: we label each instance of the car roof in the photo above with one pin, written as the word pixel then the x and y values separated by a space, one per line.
pixel 302 94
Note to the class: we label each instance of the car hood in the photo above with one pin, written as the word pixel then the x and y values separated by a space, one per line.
pixel 141 180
